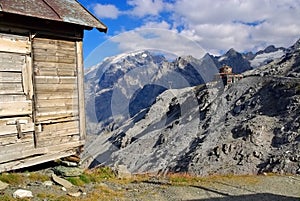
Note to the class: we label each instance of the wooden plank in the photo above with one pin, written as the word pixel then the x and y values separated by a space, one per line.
pixel 50 43
pixel 56 95
pixel 13 77
pixel 36 156
pixel 15 108
pixel 59 126
pixel 54 51
pixel 59 140
pixel 57 109
pixel 12 129
pixel 11 88
pixel 13 139
pixel 57 103
pixel 51 65
pixel 81 101
pixel 58 59
pixel 56 119
pixel 12 120
pixel 10 98
pixel 10 62
pixel 27 78
pixel 54 72
pixel 55 87
pixel 15 148
pixel 34 160
pixel 57 134
pixel 55 80
pixel 54 115
pixel 14 43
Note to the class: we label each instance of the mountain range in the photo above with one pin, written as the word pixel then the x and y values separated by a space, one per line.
pixel 105 80
pixel 155 115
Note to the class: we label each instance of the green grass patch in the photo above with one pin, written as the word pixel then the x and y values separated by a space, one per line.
pixel 76 181
pixel 12 178
pixel 93 176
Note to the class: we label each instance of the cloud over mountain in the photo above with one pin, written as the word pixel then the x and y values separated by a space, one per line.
pixel 215 25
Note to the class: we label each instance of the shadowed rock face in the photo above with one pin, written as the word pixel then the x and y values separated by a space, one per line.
pixel 249 127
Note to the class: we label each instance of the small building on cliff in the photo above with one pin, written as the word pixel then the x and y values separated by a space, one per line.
pixel 227 76
pixel 42 115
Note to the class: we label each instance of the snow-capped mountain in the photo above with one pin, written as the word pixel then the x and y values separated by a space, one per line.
pixel 121 87
pixel 267 55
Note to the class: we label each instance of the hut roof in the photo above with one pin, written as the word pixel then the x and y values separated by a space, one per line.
pixel 69 11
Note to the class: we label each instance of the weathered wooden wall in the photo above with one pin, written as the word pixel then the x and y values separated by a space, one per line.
pixel 41 99
pixel 16 120
pixel 56 91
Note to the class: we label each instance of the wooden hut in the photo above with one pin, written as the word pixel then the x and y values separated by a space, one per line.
pixel 227 76
pixel 42 114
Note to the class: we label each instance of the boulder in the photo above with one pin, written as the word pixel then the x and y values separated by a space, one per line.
pixel 122 172
pixel 20 193
pixel 62 181
pixel 68 171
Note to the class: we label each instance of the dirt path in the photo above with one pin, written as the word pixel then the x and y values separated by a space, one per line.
pixel 263 188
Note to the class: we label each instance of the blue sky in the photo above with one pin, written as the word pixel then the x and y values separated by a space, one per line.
pixel 216 26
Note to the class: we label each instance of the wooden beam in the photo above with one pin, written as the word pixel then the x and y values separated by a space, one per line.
pixel 38 159
pixel 81 101
pixel 27 77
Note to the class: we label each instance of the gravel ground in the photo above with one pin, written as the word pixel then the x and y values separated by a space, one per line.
pixel 263 188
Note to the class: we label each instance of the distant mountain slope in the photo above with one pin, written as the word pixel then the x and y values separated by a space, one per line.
pixel 120 87
pixel 234 59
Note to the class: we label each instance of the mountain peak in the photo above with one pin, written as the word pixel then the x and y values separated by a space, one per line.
pixel 231 52
pixel 296 45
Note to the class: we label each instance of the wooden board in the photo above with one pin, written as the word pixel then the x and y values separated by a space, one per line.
pixel 57 72
pixel 55 87
pixel 81 93
pixel 15 108
pixel 53 65
pixel 68 102
pixel 14 43
pixel 59 140
pixel 12 77
pixel 12 98
pixel 11 89
pixel 55 80
pixel 13 139
pixel 56 95
pixel 15 148
pixel 10 62
pixel 12 129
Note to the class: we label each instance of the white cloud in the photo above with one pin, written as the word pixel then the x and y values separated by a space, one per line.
pixel 143 8
pixel 157 39
pixel 158 25
pixel 106 11
pixel 220 25
pixel 245 25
